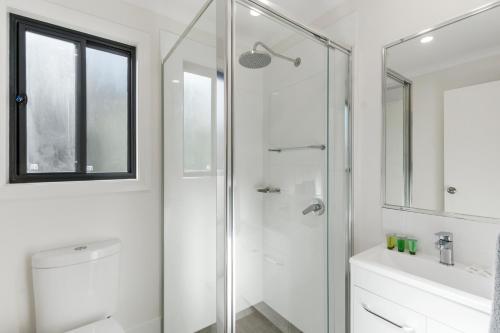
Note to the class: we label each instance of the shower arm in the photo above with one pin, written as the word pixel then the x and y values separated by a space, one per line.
pixel 295 61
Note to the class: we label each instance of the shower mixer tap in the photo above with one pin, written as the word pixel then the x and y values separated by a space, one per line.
pixel 317 207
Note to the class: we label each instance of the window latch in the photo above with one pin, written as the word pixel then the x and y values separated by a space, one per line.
pixel 21 99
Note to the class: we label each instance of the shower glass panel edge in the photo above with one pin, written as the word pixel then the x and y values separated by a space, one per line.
pixel 340 187
pixel 225 234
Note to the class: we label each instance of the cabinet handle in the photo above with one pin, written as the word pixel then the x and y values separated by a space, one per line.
pixel 404 328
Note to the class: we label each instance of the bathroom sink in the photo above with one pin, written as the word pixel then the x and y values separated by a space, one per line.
pixel 457 283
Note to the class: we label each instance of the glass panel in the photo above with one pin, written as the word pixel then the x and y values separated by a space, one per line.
pixel 190 202
pixel 107 111
pixel 394 141
pixel 281 237
pixel 197 123
pixel 50 113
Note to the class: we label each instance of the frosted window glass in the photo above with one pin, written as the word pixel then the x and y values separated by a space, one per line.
pixel 107 112
pixel 50 112
pixel 197 123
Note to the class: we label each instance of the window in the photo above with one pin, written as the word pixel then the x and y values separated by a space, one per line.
pixel 199 100
pixel 72 105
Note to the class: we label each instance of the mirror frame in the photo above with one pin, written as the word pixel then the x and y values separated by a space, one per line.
pixel 408 150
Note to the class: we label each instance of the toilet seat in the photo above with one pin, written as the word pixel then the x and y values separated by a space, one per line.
pixel 102 326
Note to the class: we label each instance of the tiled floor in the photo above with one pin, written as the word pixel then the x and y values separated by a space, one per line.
pixel 255 322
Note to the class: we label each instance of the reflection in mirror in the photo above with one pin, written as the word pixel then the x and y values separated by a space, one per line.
pixel 442 110
pixel 397 139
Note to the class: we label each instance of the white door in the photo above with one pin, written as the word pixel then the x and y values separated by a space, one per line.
pixel 472 150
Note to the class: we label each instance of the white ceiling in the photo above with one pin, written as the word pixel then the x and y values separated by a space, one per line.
pixel 183 11
pixel 305 11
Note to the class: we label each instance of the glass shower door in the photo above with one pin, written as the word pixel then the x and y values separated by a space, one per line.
pixel 280 155
pixel 190 231
pixel 257 176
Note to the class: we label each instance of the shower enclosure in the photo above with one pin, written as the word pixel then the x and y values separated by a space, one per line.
pixel 257 175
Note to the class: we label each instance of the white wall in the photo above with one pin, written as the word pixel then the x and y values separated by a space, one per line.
pixel 295 115
pixel 379 23
pixel 43 216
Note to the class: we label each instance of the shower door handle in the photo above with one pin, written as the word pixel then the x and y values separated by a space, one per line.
pixel 317 207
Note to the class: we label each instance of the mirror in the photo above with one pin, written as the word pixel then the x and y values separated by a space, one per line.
pixel 441 101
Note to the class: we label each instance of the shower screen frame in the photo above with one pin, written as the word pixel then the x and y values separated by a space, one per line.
pixel 225 60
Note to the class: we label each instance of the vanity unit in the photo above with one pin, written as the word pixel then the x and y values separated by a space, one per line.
pixel 397 292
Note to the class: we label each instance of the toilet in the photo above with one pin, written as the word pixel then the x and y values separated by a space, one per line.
pixel 76 288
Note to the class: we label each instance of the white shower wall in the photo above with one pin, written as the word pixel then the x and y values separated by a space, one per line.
pixel 294 245
pixel 248 176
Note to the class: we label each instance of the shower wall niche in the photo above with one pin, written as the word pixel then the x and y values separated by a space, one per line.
pixel 290 136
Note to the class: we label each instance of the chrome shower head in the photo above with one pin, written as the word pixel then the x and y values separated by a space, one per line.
pixel 255 59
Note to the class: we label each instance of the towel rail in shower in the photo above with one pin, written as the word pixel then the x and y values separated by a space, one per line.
pixel 269 189
pixel 279 150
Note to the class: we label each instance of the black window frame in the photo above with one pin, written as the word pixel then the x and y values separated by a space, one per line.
pixel 19 25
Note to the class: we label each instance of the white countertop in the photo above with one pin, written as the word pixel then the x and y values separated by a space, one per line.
pixel 424 272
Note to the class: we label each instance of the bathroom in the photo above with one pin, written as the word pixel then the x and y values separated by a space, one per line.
pixel 270 212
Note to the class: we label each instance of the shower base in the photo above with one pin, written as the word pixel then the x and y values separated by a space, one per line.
pixel 260 318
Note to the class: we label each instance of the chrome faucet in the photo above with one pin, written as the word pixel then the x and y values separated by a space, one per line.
pixel 445 246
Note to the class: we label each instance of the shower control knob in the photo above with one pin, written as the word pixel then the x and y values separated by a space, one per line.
pixel 317 207
pixel 451 190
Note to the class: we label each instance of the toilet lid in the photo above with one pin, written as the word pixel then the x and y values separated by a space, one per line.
pixel 101 326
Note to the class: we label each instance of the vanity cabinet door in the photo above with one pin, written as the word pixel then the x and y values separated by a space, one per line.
pixel 435 327
pixel 374 314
